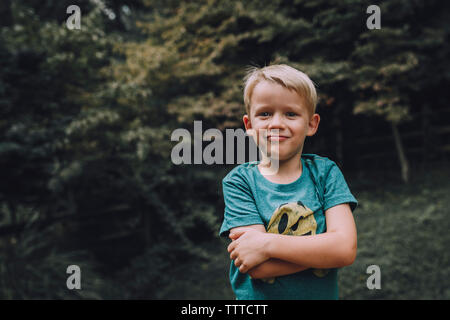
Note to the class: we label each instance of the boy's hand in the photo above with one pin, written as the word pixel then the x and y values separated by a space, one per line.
pixel 248 248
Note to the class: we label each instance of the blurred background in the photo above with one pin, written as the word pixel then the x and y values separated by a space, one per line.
pixel 86 117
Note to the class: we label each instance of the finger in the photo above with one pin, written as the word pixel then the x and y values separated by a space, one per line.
pixel 236 234
pixel 237 262
pixel 243 268
pixel 231 246
pixel 233 255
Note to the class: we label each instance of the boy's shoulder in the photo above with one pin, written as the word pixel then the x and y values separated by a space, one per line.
pixel 318 164
pixel 241 171
pixel 316 158
pixel 321 165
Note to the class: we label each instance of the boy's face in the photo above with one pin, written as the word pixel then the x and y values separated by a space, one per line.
pixel 282 115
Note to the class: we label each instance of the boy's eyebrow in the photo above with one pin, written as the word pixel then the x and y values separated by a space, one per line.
pixel 292 106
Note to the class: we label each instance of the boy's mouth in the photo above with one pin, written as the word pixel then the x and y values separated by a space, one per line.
pixel 276 138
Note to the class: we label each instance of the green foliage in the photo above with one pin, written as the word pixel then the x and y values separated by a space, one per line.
pixel 87 115
pixel 33 265
pixel 393 65
pixel 403 231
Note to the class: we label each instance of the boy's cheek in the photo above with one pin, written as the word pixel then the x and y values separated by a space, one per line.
pixel 256 135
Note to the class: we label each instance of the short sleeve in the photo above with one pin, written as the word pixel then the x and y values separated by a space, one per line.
pixel 336 189
pixel 240 207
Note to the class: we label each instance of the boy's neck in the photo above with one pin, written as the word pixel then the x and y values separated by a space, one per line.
pixel 288 170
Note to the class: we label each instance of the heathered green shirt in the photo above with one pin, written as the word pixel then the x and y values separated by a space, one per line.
pixel 296 209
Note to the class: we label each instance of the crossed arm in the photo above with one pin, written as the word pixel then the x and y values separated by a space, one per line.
pixel 264 255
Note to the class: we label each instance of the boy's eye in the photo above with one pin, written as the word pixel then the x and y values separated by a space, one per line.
pixel 291 114
pixel 264 114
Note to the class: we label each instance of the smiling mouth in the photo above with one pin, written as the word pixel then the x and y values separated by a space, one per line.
pixel 276 138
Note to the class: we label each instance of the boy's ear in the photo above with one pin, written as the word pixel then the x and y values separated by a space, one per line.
pixel 247 123
pixel 313 124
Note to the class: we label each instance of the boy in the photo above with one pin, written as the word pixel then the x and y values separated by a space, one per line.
pixel 290 229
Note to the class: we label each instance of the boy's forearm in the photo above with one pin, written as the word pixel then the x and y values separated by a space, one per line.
pixel 274 268
pixel 326 250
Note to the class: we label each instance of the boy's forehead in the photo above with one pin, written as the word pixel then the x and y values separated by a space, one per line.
pixel 268 93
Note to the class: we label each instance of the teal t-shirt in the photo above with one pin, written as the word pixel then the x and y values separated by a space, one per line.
pixel 297 208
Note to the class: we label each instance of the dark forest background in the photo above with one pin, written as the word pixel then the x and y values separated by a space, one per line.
pixel 86 118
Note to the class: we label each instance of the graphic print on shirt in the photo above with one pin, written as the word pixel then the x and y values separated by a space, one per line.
pixel 294 219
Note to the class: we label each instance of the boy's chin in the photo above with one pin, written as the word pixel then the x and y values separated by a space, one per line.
pixel 277 153
pixel 275 156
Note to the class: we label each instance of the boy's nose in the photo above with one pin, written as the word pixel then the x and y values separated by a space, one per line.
pixel 276 121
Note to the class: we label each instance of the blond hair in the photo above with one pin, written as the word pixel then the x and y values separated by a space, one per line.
pixel 284 75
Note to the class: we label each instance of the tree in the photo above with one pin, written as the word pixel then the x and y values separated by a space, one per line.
pixel 393 66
